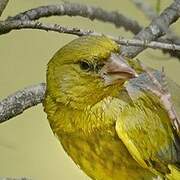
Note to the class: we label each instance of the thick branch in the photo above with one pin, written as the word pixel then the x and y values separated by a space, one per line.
pixel 3 4
pixel 21 100
pixel 157 28
pixel 74 9
pixel 151 14
pixel 7 26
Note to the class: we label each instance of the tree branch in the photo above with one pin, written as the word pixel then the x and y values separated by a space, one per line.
pixel 158 27
pixel 153 44
pixel 21 100
pixel 7 26
pixel 19 178
pixel 150 13
pixel 91 12
pixel 74 9
pixel 3 4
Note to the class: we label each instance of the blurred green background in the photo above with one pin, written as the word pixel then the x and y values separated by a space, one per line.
pixel 27 145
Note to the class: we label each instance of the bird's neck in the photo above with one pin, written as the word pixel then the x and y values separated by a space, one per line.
pixel 65 119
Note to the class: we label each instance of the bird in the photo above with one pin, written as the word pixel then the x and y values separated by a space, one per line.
pixel 110 125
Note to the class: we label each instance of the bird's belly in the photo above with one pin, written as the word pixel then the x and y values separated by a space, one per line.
pixel 103 157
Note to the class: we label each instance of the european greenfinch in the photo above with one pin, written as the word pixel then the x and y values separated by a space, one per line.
pixel 106 121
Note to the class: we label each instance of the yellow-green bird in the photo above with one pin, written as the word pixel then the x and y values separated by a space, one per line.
pixel 110 126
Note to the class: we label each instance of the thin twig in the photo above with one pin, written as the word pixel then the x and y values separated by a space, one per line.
pixel 75 9
pixel 152 44
pixel 12 178
pixel 7 26
pixel 158 27
pixel 3 4
pixel 21 100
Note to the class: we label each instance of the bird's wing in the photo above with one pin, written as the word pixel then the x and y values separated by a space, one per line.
pixel 145 128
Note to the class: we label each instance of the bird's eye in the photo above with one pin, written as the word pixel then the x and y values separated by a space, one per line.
pixel 85 66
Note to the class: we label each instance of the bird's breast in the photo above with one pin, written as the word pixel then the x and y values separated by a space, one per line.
pixel 102 156
pixel 90 139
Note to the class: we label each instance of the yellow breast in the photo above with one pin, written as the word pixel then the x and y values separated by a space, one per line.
pixel 90 139
pixel 103 156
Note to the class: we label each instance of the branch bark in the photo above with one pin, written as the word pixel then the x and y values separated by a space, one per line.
pixel 21 100
pixel 19 178
pixel 74 9
pixel 150 13
pixel 3 4
pixel 7 26
pixel 158 27
pixel 91 12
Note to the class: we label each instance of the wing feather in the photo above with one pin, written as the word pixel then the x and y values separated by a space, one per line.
pixel 145 128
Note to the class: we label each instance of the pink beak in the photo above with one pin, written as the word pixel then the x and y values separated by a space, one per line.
pixel 116 70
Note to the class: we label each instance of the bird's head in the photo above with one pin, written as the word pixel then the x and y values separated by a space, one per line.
pixel 87 70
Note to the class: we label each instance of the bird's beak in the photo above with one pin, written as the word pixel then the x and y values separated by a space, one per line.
pixel 116 70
